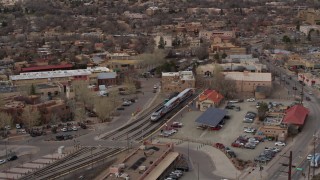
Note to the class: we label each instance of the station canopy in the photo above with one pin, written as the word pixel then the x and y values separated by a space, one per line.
pixel 212 117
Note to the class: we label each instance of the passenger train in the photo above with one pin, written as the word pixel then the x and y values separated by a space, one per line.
pixel 171 104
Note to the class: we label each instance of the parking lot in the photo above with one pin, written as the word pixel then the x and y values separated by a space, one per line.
pixel 231 130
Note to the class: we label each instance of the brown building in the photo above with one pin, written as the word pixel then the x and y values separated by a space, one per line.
pixel 276 132
pixel 177 81
pixel 249 81
pixel 53 109
pixel 107 79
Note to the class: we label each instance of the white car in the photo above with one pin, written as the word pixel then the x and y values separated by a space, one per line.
pixel 2 161
pixel 251 100
pixel 275 149
pixel 64 129
pixel 310 93
pixel 309 157
pixel 74 128
pixel 279 143
pixel 18 126
pixel 249 130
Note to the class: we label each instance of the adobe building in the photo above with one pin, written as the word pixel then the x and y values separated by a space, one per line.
pixel 177 81
pixel 249 81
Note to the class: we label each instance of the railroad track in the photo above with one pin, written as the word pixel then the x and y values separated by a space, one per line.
pixel 67 170
pixel 68 165
pixel 142 119
pixel 147 127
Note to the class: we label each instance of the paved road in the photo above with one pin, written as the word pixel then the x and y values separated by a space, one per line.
pixel 301 144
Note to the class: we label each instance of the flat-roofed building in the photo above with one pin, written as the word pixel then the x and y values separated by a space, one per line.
pixel 248 81
pixel 177 81
pixel 56 76
pixel 148 162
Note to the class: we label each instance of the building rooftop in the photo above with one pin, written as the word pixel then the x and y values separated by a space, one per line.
pixel 170 74
pixel 48 67
pixel 248 76
pixel 56 74
pixel 145 161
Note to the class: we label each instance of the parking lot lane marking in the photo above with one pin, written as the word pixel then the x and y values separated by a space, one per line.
pixel 204 133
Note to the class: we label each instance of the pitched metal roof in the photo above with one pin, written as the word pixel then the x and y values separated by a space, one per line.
pixel 297 115
pixel 212 117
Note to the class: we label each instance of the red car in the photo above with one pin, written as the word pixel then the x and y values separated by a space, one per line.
pixel 219 145
pixel 237 144
pixel 216 128
pixel 177 125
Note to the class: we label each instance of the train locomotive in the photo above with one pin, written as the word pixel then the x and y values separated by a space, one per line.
pixel 171 104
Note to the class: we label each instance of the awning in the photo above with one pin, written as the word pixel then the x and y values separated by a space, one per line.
pixel 212 117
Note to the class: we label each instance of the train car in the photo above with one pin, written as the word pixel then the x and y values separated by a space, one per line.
pixel 172 103
pixel 157 114
pixel 185 94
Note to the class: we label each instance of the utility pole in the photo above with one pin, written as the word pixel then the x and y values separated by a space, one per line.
pixel 301 95
pixel 289 165
pixel 315 138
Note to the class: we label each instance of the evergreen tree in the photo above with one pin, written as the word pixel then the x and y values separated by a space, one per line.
pixel 161 43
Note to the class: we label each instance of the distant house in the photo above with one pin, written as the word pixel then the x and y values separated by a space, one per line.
pixel 107 78
pixel 209 98
pixel 296 116
pixel 177 81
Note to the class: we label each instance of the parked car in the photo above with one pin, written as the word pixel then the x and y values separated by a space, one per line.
pixel 251 100
pixel 237 144
pixel 126 103
pixel 216 128
pixel 12 158
pixel 120 108
pixel 309 157
pixel 2 161
pixel 65 129
pixel 219 145
pixel 294 88
pixel 249 130
pixel 21 131
pixel 182 168
pixel 18 126
pixel 308 98
pixel 279 143
pixel 176 124
pixel 74 128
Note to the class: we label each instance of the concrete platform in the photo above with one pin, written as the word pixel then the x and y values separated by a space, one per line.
pixel 9 176
pixel 41 161
pixel 19 170
pixel 55 156
pixel 30 166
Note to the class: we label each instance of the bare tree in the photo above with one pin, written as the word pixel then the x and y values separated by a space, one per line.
pixel 80 114
pixel 103 108
pixel 31 116
pixel 130 85
pixel 153 59
pixel 83 94
pixel 5 120
pixel 225 86
pixel 54 118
